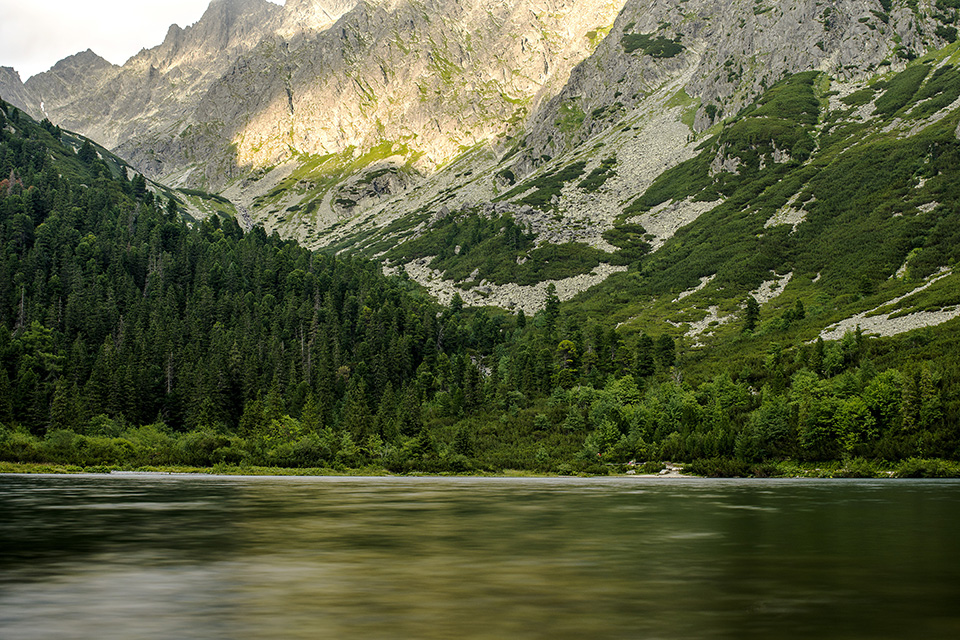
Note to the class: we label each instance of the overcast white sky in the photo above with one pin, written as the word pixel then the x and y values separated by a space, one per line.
pixel 35 34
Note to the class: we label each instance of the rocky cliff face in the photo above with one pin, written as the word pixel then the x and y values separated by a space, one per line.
pixel 155 89
pixel 438 76
pixel 253 84
pixel 78 74
pixel 303 18
pixel 733 50
pixel 13 91
pixel 337 114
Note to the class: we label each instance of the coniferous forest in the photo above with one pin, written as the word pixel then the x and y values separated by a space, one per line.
pixel 132 336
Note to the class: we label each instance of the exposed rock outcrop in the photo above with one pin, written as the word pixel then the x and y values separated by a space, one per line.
pixel 13 91
pixel 252 84
pixel 738 47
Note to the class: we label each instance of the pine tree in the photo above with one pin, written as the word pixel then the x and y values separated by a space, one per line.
pixel 62 410
pixel 355 418
pixel 645 359
pixel 751 315
pixel 311 418
pixel 87 154
pixel 6 403
pixel 666 351
pixel 252 422
pixel 551 310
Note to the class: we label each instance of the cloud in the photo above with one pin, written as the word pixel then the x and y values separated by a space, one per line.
pixel 35 35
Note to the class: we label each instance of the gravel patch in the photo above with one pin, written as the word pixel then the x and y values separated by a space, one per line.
pixel 883 325
pixel 530 298
pixel 771 288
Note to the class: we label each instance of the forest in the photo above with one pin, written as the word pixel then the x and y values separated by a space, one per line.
pixel 135 337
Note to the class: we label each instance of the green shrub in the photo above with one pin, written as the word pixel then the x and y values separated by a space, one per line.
pixel 599 175
pixel 718 468
pixel 59 446
pixel 918 468
pixel 791 99
pixel 858 468
pixel 651 467
pixel 549 186
pixel 196 449
pixel 947 33
pixel 940 91
pixel 16 446
pixel 656 47
pixel 901 89
pixel 859 98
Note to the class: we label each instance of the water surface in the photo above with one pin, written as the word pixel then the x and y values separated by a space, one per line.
pixel 135 556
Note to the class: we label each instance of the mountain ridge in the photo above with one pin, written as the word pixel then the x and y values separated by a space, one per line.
pixel 569 150
pixel 741 282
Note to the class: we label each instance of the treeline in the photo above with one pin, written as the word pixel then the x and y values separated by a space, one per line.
pixel 129 337
pixel 115 314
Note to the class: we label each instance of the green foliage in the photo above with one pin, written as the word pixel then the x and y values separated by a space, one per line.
pixel 648 44
pixel 719 468
pixel 751 316
pixel 546 186
pixel 491 248
pixel 901 89
pixel 630 239
pixel 859 97
pixel 206 196
pixel 508 175
pixel 940 91
pixel 599 175
pixel 918 468
pixel 790 99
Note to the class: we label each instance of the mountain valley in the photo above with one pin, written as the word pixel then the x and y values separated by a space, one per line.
pixel 750 179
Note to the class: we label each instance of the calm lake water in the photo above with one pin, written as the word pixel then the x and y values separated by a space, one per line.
pixel 134 556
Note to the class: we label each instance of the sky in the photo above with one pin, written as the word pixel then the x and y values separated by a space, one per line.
pixel 36 34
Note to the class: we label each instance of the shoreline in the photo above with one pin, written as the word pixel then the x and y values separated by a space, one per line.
pixel 856 469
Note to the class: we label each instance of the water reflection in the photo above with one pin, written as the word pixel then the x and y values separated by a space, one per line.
pixel 208 557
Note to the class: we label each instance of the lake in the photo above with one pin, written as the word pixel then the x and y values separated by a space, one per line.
pixel 154 556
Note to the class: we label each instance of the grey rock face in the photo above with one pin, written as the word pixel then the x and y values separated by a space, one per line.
pixel 253 84
pixel 153 90
pixel 302 18
pixel 737 48
pixel 13 91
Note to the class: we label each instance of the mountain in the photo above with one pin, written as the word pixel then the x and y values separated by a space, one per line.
pixel 668 80
pixel 244 87
pixel 79 74
pixel 12 89
pixel 723 234
pixel 490 150
pixel 132 337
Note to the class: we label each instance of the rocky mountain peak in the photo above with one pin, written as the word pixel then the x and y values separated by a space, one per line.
pixel 79 73
pixel 305 17
pixel 225 28
pixel 13 91
pixel 728 53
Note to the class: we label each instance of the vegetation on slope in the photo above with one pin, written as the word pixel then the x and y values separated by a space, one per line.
pixel 129 338
pixel 871 199
pixel 473 248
